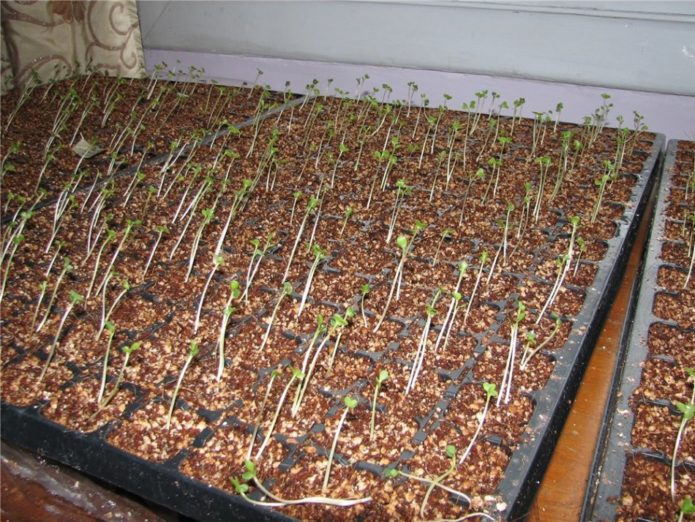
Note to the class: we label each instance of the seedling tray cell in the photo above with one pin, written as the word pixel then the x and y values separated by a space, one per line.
pixel 632 470
pixel 401 243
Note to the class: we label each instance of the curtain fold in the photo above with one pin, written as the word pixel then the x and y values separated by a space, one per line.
pixel 44 39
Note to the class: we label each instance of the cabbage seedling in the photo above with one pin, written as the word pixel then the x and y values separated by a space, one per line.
pixel 125 288
pixel 296 196
pixel 446 234
pixel 405 245
pixel 490 393
pixel 448 323
pixel 255 262
pixel 686 508
pixel 310 209
pixel 128 351
pixel 261 411
pixel 16 241
pixel 208 215
pixel 350 404
pixel 430 312
pixel 544 163
pixel 285 290
pixel 337 327
pixel 348 214
pixel 251 475
pixel 240 198
pixel 296 375
pixel 484 256
pixel 687 411
pixel 508 374
pixel 380 380
pixel 364 290
pixel 161 230
pixel 451 453
pixel 74 299
pixel 67 267
pixel 131 224
pixel 563 263
pixel 217 261
pixel 111 329
pixel 320 329
pixel 530 347
pixel 319 255
pixel 402 190
pixel 226 315
pixel 192 352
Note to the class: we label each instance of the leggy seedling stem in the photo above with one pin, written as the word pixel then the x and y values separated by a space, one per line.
pixel 250 475
pixel 161 230
pixel 216 263
pixel 430 312
pixel 688 413
pixel 350 405
pixel 451 453
pixel 490 393
pixel 319 255
pixel 192 352
pixel 448 323
pixel 285 291
pixel 508 375
pixel 563 263
pixel 337 327
pixel 261 410
pixel 530 351
pixel 484 256
pixel 226 315
pixel 128 351
pixel 296 375
pixel 405 245
pixel 67 267
pixel 111 329
pixel 380 379
pixel 74 298
pixel 310 208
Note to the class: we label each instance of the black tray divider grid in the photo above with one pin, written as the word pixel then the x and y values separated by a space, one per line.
pixel 528 463
pixel 606 480
pixel 166 485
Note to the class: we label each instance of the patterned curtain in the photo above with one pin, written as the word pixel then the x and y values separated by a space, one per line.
pixel 63 37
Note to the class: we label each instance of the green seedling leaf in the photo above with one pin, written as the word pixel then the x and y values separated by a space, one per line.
pixel 450 451
pixel 382 377
pixel 250 470
pixel 391 473
pixel 194 349
pixel 350 402
pixel 133 347
pixel 402 242
pixel 75 297
pixel 687 506
pixel 365 289
pixel 490 389
pixel 688 410
pixel 239 487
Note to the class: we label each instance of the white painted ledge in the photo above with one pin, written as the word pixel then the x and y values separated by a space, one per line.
pixel 673 115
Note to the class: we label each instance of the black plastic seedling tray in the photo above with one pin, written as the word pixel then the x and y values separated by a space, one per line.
pixel 616 447
pixel 165 484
